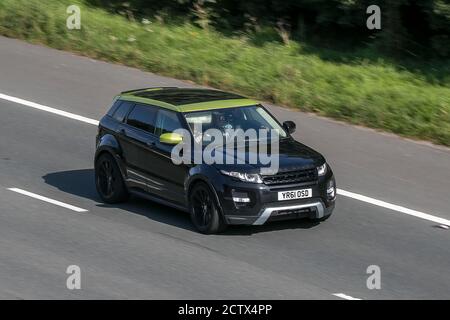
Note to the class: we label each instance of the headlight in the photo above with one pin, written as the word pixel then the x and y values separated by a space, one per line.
pixel 246 177
pixel 322 170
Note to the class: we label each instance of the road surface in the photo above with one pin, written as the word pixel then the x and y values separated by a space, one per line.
pixel 142 250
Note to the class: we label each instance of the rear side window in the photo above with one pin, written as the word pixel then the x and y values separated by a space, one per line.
pixel 122 110
pixel 143 117
pixel 114 107
pixel 167 121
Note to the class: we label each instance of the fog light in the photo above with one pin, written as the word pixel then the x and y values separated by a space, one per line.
pixel 331 190
pixel 241 197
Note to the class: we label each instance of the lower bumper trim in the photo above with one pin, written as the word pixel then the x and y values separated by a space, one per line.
pixel 268 211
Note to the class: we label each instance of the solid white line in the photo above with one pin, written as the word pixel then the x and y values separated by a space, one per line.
pixel 387 205
pixel 341 192
pixel 344 296
pixel 48 109
pixel 55 202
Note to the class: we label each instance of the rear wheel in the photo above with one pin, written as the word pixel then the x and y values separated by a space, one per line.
pixel 204 210
pixel 109 181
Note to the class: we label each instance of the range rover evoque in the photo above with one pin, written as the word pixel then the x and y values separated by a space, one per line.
pixel 133 156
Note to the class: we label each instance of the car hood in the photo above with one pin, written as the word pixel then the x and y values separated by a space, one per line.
pixel 292 155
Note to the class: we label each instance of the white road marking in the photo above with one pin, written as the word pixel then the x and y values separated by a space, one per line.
pixel 55 202
pixel 344 296
pixel 387 205
pixel 341 192
pixel 48 109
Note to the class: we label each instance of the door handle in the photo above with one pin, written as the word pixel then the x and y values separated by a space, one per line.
pixel 151 144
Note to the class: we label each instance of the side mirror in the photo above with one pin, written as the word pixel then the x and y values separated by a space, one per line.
pixel 170 138
pixel 289 126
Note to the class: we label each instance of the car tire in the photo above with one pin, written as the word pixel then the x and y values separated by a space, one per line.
pixel 204 211
pixel 109 181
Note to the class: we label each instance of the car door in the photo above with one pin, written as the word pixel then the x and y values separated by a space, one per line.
pixel 137 140
pixel 167 178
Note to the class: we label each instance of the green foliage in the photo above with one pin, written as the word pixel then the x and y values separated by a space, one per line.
pixel 412 99
pixel 409 27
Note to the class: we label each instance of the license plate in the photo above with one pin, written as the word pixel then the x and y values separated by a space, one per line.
pixel 294 194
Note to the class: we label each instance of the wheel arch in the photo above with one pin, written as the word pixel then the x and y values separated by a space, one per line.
pixel 108 144
pixel 202 179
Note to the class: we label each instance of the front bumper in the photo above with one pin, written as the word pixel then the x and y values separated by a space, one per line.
pixel 314 209
pixel 265 207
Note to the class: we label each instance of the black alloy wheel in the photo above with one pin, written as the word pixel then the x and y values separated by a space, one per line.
pixel 204 211
pixel 109 181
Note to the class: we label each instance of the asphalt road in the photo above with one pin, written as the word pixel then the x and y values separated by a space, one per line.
pixel 147 251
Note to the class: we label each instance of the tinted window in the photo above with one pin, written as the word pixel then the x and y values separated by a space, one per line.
pixel 122 110
pixel 245 118
pixel 143 117
pixel 114 107
pixel 167 121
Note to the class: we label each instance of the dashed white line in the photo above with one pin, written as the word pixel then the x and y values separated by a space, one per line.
pixel 341 192
pixel 48 109
pixel 387 205
pixel 45 199
pixel 344 296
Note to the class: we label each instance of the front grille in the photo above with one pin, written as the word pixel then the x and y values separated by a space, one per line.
pixel 291 177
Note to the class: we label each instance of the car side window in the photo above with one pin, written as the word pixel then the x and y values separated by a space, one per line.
pixel 122 110
pixel 114 107
pixel 142 117
pixel 167 121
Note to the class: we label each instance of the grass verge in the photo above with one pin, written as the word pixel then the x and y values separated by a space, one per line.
pixel 370 92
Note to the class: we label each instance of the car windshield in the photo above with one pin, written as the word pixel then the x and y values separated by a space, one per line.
pixel 226 120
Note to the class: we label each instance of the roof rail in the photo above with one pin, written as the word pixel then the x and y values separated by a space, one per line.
pixel 137 90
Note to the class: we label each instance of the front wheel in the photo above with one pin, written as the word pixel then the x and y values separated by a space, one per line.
pixel 204 210
pixel 109 181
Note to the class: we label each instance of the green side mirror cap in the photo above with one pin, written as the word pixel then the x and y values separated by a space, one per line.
pixel 170 138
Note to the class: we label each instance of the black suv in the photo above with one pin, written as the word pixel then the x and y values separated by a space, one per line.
pixel 134 156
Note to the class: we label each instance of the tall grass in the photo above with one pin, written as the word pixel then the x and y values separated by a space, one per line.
pixel 370 92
